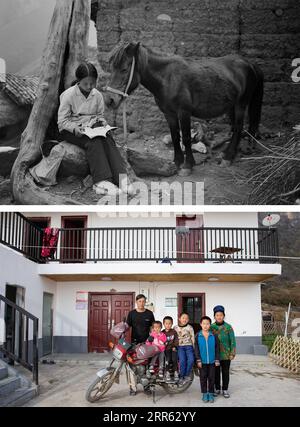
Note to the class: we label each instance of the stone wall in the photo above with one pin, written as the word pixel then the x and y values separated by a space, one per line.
pixel 265 31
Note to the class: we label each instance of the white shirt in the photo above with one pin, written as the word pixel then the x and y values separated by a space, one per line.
pixel 75 109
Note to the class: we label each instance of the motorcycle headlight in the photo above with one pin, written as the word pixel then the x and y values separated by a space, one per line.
pixel 117 354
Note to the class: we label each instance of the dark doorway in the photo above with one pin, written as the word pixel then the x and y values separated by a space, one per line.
pixel 189 238
pixel 73 239
pixel 194 306
pixel 14 325
pixel 47 323
pixel 106 310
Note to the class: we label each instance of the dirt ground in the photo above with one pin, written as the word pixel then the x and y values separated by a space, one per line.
pixel 255 381
pixel 222 186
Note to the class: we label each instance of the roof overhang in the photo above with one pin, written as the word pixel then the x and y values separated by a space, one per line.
pixel 157 272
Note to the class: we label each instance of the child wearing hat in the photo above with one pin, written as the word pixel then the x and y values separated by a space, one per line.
pixel 227 341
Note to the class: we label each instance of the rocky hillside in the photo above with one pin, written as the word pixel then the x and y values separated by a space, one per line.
pixel 286 288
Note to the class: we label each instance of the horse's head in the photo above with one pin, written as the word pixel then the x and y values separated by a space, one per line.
pixel 124 61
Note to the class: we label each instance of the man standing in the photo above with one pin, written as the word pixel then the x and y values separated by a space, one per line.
pixel 140 320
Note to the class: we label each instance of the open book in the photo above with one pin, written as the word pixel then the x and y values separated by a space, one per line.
pixel 99 131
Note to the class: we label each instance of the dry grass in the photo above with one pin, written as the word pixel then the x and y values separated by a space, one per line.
pixel 274 177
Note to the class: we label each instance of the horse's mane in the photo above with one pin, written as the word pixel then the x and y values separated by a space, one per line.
pixel 118 52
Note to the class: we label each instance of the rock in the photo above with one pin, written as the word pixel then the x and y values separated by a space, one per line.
pixel 150 164
pixel 167 140
pixel 8 156
pixel 74 161
pixel 5 188
pixel 197 133
pixel 199 147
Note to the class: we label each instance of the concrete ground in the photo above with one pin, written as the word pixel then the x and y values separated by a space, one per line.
pixel 255 381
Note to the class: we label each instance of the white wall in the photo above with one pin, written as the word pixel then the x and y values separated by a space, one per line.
pixel 211 219
pixel 241 300
pixel 19 271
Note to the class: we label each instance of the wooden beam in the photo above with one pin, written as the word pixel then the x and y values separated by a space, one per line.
pixel 194 278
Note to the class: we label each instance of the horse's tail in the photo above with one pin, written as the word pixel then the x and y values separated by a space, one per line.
pixel 255 105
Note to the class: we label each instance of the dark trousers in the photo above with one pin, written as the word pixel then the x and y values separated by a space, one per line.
pixel 207 377
pixel 171 360
pixel 104 159
pixel 224 368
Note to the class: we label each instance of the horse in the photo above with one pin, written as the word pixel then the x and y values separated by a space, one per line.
pixel 183 88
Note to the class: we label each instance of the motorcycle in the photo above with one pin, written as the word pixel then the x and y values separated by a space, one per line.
pixel 130 357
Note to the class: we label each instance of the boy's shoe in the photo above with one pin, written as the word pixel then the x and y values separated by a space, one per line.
pixel 205 397
pixel 211 398
pixel 176 376
pixel 217 393
pixel 187 379
pixel 151 369
pixel 168 377
pixel 181 381
pixel 161 374
pixel 226 394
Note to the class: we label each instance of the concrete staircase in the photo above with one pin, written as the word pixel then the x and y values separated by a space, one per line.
pixel 15 390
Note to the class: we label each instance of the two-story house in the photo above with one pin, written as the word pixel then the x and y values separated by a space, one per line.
pixel 180 262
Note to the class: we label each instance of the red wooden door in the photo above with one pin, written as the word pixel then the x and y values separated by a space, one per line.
pixel 99 322
pixel 189 238
pixel 121 305
pixel 105 310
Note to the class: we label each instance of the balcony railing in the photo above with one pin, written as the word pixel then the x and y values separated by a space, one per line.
pixel 181 244
pixel 20 234
pixel 21 337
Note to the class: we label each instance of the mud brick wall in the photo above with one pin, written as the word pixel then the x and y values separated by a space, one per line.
pixel 265 31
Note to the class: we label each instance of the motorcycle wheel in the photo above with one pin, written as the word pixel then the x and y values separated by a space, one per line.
pixel 175 389
pixel 100 386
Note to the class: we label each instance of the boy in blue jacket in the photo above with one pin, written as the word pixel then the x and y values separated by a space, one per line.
pixel 207 354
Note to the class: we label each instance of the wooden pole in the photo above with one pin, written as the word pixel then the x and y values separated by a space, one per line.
pixel 64 21
pixel 78 39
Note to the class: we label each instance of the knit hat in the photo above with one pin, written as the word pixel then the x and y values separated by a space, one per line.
pixel 219 309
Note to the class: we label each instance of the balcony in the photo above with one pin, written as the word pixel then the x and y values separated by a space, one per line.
pixel 160 244
pixel 147 254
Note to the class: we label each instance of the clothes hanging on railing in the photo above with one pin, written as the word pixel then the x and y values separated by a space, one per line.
pixel 50 240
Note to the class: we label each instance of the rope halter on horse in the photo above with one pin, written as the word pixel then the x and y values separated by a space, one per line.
pixel 125 96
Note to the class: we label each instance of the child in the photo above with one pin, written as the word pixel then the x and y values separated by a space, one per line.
pixel 158 338
pixel 81 106
pixel 171 349
pixel 186 338
pixel 227 341
pixel 207 355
